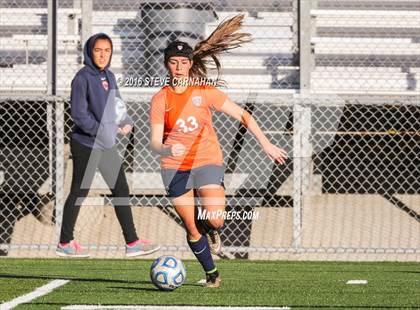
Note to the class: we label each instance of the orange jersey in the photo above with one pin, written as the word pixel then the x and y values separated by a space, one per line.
pixel 187 119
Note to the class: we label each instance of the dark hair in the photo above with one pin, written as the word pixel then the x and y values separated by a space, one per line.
pixel 102 36
pixel 225 37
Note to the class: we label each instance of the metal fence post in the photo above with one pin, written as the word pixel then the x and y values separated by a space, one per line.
pixel 87 9
pixel 302 149
pixel 297 178
pixel 52 48
pixel 59 163
pixel 306 30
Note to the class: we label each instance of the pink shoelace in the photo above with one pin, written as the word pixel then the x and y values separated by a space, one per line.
pixel 77 246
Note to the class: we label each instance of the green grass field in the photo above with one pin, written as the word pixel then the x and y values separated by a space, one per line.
pixel 245 283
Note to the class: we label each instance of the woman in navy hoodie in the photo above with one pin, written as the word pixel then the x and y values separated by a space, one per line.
pixel 94 96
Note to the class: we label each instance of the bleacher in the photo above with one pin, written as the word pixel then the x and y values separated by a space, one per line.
pixel 24 48
pixel 369 46
pixel 360 47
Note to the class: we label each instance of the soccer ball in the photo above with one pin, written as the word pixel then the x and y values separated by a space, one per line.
pixel 120 110
pixel 167 273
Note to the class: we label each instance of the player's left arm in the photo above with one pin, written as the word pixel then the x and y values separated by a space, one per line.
pixel 232 109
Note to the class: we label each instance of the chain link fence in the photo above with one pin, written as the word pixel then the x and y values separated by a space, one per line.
pixel 28 166
pixel 357 46
pixel 23 45
pixel 142 29
pixel 366 46
pixel 350 186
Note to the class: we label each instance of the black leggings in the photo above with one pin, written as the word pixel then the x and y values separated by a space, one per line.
pixel 85 162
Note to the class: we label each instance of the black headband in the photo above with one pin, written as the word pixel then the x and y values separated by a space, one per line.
pixel 178 48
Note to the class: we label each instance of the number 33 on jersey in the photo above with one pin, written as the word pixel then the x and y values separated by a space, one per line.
pixel 187 126
pixel 187 119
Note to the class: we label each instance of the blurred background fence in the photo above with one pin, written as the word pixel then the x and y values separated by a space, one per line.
pixel 333 82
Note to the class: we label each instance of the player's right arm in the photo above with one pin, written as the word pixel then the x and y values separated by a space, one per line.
pixel 159 147
pixel 157 127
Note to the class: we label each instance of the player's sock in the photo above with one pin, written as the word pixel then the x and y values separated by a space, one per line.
pixel 201 250
pixel 212 279
pixel 213 273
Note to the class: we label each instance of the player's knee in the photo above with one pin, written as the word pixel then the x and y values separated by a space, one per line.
pixel 217 223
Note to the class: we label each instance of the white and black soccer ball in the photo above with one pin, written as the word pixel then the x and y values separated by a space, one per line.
pixel 167 273
pixel 120 110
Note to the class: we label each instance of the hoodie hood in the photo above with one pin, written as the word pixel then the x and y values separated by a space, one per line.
pixel 88 51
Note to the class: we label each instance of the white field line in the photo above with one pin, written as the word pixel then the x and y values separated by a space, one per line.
pixel 139 307
pixel 40 291
pixel 357 282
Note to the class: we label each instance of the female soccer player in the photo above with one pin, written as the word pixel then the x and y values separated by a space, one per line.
pixel 94 99
pixel 182 133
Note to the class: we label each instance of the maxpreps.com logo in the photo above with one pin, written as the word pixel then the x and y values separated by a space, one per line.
pixel 241 215
pixel 196 101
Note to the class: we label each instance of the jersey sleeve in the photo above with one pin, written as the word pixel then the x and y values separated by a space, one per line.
pixel 215 97
pixel 157 109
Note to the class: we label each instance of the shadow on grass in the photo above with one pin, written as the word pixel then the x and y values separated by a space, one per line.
pixel 151 289
pixel 55 277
